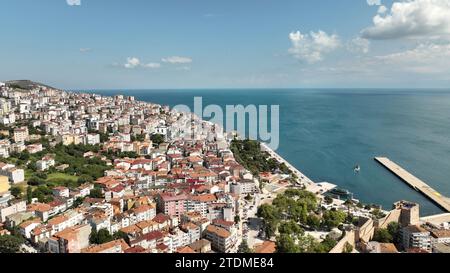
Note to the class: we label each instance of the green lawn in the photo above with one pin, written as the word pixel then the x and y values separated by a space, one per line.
pixel 57 177
pixel 28 173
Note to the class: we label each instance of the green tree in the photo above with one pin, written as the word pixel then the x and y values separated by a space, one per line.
pixel 32 166
pixel 43 194
pixel 394 229
pixel 313 221
pixel 307 244
pixel 333 218
pixel 378 213
pixel 349 203
pixel 85 179
pixel 304 214
pixel 290 227
pixel 35 181
pixel 121 235
pixel 237 219
pixel 270 227
pixel 100 237
pixel 96 193
pixel 103 236
pixel 248 153
pixel 284 203
pixel 41 175
pixel 16 192
pixel 139 137
pixel 93 237
pixel 78 202
pixel 244 248
pixel 268 212
pixel 29 195
pixel 10 244
pixel 383 236
pixel 157 139
pixel 348 248
pixel 286 244
pixel 25 155
pixel 271 217
pixel 326 245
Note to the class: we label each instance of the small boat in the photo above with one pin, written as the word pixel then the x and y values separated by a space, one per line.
pixel 341 194
pixel 357 169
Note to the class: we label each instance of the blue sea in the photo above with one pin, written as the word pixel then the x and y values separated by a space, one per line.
pixel 326 132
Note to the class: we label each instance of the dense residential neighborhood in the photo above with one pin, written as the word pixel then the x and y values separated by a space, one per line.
pixel 84 173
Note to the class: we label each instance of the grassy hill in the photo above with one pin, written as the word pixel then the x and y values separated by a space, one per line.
pixel 25 84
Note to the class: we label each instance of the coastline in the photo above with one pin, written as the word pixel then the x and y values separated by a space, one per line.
pixel 365 186
pixel 303 178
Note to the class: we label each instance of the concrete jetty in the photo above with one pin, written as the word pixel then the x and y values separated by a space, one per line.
pixel 415 183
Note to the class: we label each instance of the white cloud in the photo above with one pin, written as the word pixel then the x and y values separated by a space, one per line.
pixel 312 47
pixel 73 2
pixel 177 60
pixel 423 53
pixel 133 62
pixel 374 2
pixel 359 45
pixel 85 49
pixel 427 62
pixel 424 59
pixel 412 18
pixel 382 10
pixel 152 65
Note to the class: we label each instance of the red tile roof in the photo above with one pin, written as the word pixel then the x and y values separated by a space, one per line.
pixel 135 249
pixel 161 218
pixel 171 197
pixel 185 250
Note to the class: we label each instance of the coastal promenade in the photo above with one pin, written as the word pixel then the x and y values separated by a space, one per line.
pixel 303 178
pixel 415 183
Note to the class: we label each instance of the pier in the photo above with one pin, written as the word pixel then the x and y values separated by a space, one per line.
pixel 415 183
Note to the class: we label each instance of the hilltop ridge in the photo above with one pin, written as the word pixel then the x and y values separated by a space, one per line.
pixel 25 84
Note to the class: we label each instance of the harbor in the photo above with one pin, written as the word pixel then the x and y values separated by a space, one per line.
pixel 415 183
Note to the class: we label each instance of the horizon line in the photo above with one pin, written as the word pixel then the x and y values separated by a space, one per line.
pixel 254 88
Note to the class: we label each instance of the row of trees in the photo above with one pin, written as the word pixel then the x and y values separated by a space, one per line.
pixel 248 153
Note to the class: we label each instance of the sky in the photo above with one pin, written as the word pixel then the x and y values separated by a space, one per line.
pixel 154 44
